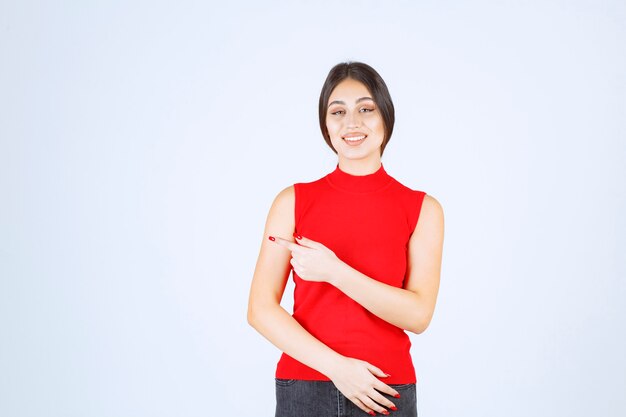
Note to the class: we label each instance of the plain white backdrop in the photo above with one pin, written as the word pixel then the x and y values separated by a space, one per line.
pixel 142 143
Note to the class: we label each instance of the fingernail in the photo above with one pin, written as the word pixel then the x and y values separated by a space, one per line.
pixel 397 395
pixel 387 374
pixel 394 408
pixel 297 236
pixel 272 238
pixel 371 413
pixel 385 412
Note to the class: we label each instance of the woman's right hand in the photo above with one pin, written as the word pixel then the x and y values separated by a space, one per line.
pixel 357 380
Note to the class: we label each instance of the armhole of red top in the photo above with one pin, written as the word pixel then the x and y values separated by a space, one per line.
pixel 296 209
pixel 418 209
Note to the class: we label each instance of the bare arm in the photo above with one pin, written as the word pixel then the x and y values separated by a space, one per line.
pixel 270 277
pixel 354 378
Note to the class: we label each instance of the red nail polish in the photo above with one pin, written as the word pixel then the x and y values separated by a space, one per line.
pixel 394 408
pixel 297 236
pixel 397 395
pixel 272 238
pixel 371 413
pixel 385 412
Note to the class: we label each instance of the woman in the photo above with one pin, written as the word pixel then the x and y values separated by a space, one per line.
pixel 366 262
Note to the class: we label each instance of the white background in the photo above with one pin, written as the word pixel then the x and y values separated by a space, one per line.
pixel 141 146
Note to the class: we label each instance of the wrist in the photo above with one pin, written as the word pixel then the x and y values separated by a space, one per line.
pixel 332 365
pixel 338 274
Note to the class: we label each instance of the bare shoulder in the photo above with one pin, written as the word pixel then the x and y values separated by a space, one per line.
pixel 285 200
pixel 286 194
pixel 431 215
pixel 281 218
pixel 432 205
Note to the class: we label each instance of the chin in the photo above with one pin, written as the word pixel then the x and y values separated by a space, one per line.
pixel 357 155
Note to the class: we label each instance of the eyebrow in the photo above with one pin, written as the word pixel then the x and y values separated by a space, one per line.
pixel 343 102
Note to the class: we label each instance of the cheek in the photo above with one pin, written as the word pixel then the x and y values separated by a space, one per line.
pixel 377 124
pixel 332 126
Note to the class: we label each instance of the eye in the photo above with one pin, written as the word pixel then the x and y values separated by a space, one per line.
pixel 337 112
pixel 366 110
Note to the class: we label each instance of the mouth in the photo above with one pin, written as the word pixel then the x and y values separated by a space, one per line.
pixel 354 139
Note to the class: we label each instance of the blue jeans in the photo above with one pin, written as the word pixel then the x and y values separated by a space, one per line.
pixel 298 398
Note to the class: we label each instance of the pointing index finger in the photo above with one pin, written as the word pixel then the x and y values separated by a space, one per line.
pixel 284 242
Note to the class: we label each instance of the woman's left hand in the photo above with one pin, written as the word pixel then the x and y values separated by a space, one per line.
pixel 311 260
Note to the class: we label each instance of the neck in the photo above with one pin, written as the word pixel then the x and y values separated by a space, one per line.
pixel 368 181
pixel 359 166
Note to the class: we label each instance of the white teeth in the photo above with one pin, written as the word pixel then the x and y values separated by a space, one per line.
pixel 355 139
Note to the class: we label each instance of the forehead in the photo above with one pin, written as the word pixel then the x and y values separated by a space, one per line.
pixel 349 90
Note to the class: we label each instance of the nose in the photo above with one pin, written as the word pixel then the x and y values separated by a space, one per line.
pixel 353 119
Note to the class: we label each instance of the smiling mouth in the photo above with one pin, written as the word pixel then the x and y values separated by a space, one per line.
pixel 354 140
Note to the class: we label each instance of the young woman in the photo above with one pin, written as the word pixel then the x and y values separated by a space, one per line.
pixel 365 252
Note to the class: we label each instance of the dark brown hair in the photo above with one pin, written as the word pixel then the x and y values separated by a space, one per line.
pixel 373 82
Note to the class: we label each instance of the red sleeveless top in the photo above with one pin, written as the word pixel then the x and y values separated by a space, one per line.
pixel 367 221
